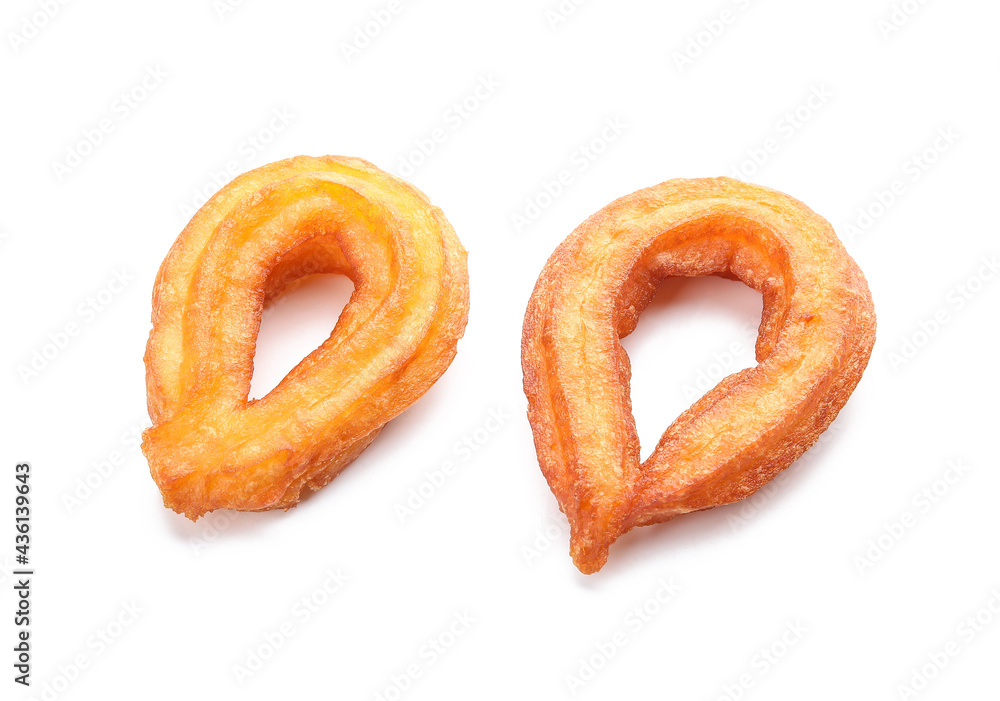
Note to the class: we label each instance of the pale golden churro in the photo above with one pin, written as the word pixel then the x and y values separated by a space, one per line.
pixel 210 447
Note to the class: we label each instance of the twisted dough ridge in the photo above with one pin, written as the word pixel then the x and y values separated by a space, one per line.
pixel 815 338
pixel 211 448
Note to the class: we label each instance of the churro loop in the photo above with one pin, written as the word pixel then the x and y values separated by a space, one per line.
pixel 815 338
pixel 210 447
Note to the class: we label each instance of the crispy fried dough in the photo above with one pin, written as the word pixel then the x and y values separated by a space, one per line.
pixel 210 447
pixel 815 338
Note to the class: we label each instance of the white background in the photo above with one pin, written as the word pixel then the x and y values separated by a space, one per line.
pixel 490 543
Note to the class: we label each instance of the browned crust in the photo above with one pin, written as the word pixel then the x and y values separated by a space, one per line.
pixel 815 339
